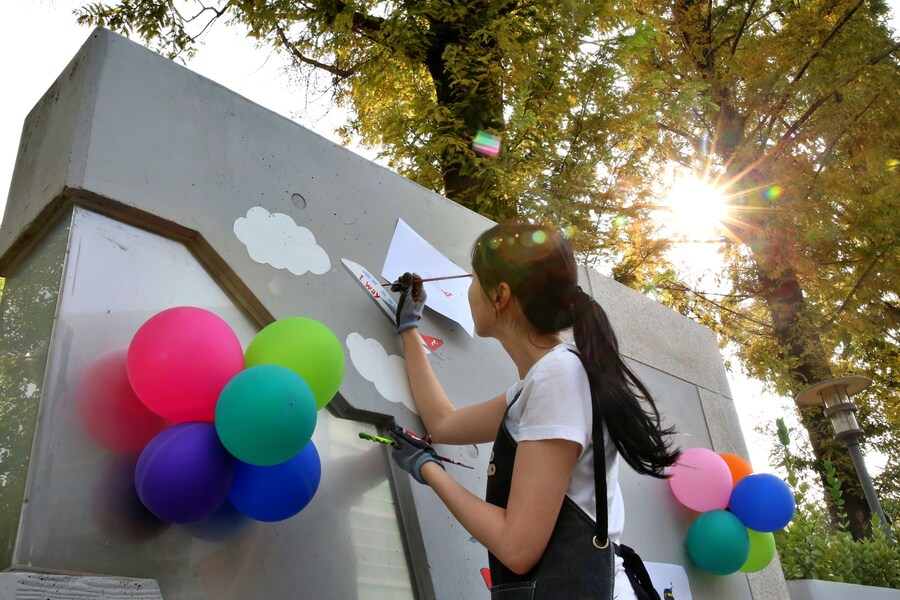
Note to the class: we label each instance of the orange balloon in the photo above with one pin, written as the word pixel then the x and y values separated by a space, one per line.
pixel 739 467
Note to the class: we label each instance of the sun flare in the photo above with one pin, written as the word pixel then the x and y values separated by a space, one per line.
pixel 693 208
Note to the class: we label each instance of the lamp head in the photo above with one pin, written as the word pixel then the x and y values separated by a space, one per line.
pixel 835 395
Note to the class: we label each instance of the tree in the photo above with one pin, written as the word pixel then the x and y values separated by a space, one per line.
pixel 792 103
pixel 27 312
pixel 422 78
pixel 799 118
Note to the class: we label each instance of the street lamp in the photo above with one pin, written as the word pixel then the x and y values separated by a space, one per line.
pixel 835 396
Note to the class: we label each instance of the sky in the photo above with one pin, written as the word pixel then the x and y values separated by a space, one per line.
pixel 39 37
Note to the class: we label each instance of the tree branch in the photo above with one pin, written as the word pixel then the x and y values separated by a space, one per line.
pixel 823 156
pixel 786 137
pixel 678 287
pixel 724 14
pixel 858 283
pixel 834 30
pixel 219 12
pixel 362 23
pixel 776 111
pixel 287 43
pixel 740 31
pixel 693 139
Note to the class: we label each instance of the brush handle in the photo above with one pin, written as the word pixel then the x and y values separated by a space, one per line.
pixel 388 442
pixel 387 283
pixel 375 438
pixel 447 277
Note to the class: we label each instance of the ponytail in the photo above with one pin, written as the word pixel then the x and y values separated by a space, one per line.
pixel 618 393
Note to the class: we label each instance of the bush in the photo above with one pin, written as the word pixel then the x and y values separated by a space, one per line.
pixel 813 546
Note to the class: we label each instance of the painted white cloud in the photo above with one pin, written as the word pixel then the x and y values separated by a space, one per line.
pixel 274 239
pixel 386 371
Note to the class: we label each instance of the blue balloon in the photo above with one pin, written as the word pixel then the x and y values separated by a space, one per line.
pixel 763 502
pixel 184 473
pixel 277 492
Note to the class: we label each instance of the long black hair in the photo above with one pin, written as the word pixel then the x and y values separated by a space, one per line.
pixel 539 266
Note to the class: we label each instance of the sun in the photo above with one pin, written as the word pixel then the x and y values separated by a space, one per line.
pixel 693 209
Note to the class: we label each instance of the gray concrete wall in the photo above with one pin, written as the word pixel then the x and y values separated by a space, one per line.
pixel 811 589
pixel 148 143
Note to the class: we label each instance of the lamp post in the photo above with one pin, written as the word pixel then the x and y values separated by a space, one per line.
pixel 834 395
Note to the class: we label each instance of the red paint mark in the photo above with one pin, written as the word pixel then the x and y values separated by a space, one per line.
pixel 431 342
pixel 486 575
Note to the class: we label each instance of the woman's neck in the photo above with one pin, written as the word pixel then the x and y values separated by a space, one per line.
pixel 527 349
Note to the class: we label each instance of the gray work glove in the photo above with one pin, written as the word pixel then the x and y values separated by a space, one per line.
pixel 411 453
pixel 411 303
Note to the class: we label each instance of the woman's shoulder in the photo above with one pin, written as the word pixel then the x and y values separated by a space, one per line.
pixel 562 361
pixel 563 356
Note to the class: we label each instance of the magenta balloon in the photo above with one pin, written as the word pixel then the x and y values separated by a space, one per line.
pixel 110 410
pixel 701 480
pixel 179 361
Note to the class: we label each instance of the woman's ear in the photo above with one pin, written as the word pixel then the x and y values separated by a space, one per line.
pixel 502 296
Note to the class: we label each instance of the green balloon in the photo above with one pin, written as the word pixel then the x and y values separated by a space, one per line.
pixel 718 543
pixel 265 415
pixel 762 551
pixel 306 347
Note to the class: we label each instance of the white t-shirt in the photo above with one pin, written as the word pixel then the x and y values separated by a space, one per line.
pixel 555 403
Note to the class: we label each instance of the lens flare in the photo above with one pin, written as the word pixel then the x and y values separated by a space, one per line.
pixel 773 193
pixel 693 208
pixel 486 144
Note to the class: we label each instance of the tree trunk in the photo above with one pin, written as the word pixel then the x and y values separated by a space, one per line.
pixel 473 107
pixel 801 350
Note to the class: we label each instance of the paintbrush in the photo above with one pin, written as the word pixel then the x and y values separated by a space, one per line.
pixel 389 442
pixel 427 279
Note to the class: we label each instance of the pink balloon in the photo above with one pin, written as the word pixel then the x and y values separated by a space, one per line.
pixel 109 409
pixel 179 361
pixel 701 480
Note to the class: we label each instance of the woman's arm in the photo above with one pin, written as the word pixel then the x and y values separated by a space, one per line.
pixel 518 534
pixel 445 423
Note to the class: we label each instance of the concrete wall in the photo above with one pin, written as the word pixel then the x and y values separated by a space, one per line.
pixel 130 137
pixel 811 589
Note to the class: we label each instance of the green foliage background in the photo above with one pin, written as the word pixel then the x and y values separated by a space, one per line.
pixel 814 547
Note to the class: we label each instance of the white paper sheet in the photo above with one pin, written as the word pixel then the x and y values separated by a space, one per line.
pixel 411 252
pixel 671 581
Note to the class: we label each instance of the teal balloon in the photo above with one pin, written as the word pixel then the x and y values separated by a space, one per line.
pixel 762 551
pixel 305 346
pixel 265 415
pixel 717 542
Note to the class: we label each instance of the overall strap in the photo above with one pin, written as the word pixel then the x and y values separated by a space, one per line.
pixel 601 539
pixel 601 535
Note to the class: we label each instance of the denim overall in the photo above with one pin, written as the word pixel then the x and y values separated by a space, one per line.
pixel 573 567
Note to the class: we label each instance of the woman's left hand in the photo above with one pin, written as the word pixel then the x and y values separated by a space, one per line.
pixel 412 454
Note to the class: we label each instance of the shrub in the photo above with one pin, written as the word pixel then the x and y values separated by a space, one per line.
pixel 814 546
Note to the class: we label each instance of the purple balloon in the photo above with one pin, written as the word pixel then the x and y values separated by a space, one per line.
pixel 184 474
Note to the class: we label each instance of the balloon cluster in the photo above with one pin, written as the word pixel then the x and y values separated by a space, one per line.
pixel 740 510
pixel 242 423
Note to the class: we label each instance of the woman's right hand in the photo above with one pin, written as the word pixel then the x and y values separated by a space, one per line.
pixel 411 303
